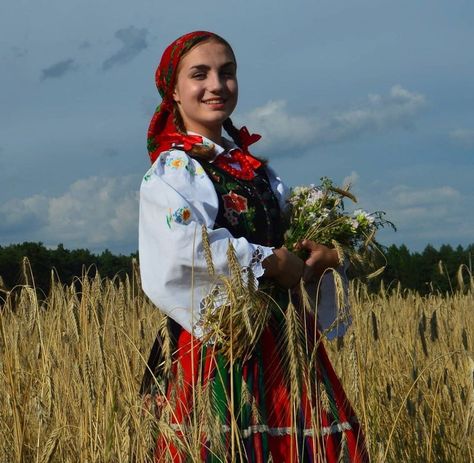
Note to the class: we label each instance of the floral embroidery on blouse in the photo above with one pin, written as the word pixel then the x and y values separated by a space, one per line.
pixel 175 162
pixel 194 170
pixel 179 162
pixel 148 175
pixel 181 215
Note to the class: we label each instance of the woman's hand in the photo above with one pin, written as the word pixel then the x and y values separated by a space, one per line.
pixel 153 403
pixel 284 267
pixel 320 258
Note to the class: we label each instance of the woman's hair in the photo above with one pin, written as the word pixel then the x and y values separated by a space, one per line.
pixel 202 151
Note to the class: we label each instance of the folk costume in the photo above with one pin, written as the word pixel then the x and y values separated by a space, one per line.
pixel 191 213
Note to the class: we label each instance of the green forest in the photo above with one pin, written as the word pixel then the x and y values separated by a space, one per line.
pixel 432 270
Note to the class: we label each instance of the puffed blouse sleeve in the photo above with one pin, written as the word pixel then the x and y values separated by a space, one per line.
pixel 177 199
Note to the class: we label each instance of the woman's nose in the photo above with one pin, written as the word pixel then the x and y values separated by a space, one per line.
pixel 215 82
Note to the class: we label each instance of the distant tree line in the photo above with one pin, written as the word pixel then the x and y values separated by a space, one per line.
pixel 65 264
pixel 427 271
pixel 431 269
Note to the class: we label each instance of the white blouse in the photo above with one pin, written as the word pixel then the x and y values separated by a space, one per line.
pixel 176 199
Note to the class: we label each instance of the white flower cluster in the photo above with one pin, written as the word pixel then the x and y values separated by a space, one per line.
pixel 363 217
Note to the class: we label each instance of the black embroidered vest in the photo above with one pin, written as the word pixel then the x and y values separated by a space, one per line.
pixel 247 208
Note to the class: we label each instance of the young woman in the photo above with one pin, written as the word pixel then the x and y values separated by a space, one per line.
pixel 206 194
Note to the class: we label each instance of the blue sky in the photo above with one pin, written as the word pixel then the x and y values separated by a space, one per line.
pixel 377 92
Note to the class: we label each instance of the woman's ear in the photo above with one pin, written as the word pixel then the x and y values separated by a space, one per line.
pixel 176 95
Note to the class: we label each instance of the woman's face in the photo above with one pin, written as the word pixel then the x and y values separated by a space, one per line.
pixel 206 87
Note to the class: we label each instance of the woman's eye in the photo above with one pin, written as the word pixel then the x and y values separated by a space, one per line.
pixel 199 76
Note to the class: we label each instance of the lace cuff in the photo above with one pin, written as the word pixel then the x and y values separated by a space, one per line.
pixel 256 262
pixel 217 297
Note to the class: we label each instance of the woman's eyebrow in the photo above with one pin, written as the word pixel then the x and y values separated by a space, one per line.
pixel 200 67
pixel 205 67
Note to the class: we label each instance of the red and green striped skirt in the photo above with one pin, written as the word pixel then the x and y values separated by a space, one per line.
pixel 259 409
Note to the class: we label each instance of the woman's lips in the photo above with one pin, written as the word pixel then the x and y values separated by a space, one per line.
pixel 216 103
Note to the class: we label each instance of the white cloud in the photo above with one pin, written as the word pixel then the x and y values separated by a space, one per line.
pixel 95 212
pixel 409 196
pixel 423 214
pixel 18 214
pixel 282 130
pixel 463 137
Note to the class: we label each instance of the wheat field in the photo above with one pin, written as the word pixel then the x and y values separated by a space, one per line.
pixel 71 364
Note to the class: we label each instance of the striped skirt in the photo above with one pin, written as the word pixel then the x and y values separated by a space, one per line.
pixel 264 408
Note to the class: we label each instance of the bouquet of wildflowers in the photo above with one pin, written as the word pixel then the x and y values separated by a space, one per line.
pixel 317 213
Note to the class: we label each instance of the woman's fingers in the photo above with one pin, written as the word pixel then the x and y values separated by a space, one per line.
pixel 320 258
pixel 309 244
pixel 153 403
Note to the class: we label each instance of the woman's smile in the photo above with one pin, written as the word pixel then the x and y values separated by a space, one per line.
pixel 215 102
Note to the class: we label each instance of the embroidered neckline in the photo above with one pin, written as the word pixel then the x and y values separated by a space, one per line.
pixel 247 164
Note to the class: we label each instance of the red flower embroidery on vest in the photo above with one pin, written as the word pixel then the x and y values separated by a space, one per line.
pixel 235 202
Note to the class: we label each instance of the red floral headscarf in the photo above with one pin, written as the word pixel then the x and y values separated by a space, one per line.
pixel 162 132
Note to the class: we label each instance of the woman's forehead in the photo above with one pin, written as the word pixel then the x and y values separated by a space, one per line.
pixel 207 53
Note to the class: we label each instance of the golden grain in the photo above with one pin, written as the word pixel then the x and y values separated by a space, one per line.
pixel 51 445
pixel 71 374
